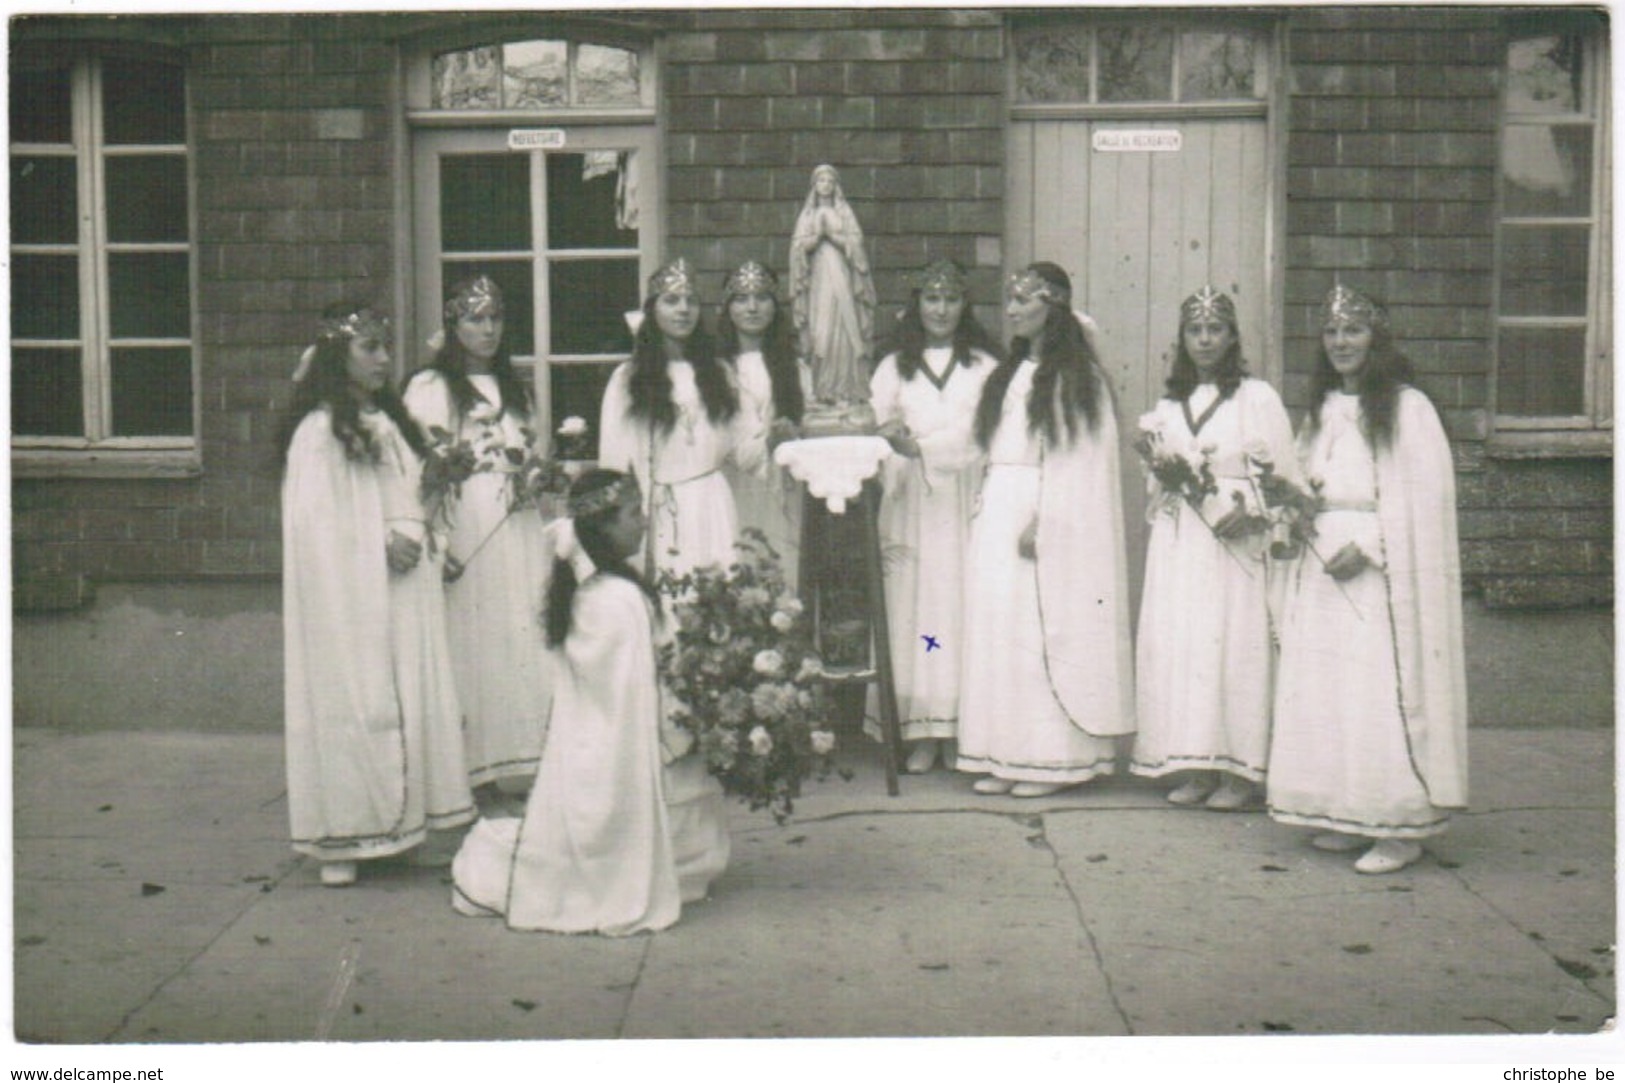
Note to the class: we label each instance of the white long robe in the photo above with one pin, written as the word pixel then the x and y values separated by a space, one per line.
pixel 1048 678
pixel 690 508
pixel 373 726
pixel 1205 660
pixel 765 497
pixel 498 652
pixel 925 515
pixel 594 852
pixel 1370 733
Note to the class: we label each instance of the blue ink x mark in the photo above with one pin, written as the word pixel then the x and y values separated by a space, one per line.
pixel 931 643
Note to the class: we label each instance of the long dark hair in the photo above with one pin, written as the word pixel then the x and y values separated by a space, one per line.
pixel 591 532
pixel 1066 363
pixel 1387 371
pixel 778 355
pixel 452 365
pixel 1227 374
pixel 651 384
pixel 970 335
pixel 326 382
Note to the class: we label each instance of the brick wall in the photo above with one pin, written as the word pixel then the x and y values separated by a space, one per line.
pixel 1391 183
pixel 293 195
pixel 908 105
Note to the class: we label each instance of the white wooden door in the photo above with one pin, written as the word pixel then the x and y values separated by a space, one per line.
pixel 1139 231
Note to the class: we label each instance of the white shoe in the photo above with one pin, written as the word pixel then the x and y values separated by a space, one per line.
pixel 1194 790
pixel 338 873
pixel 1335 842
pixel 1036 789
pixel 991 785
pixel 1389 855
pixel 1233 795
pixel 922 758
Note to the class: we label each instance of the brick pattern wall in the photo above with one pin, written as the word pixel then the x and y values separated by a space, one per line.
pixel 908 105
pixel 290 118
pixel 1393 153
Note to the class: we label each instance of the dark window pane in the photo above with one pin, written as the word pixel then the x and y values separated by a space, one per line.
pixel 44 201
pixel 47 393
pixel 589 300
pixel 467 79
pixel 1217 66
pixel 1544 75
pixel 535 74
pixel 41 106
pixel 45 297
pixel 485 203
pixel 578 391
pixel 1136 64
pixel 1544 270
pixel 1052 64
pixel 517 281
pixel 586 203
pixel 606 75
pixel 152 392
pixel 146 199
pixel 149 294
pixel 1547 170
pixel 1541 372
pixel 143 103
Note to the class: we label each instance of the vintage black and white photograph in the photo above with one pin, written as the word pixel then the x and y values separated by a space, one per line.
pixel 557 525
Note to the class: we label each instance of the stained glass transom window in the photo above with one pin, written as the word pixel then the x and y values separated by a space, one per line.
pixel 536 75
pixel 1069 64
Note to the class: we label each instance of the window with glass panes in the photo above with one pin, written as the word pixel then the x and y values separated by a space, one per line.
pixel 1121 63
pixel 101 279
pixel 1553 358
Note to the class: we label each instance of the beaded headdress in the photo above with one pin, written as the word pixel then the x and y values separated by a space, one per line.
pixel 594 501
pixel 477 297
pixel 1208 303
pixel 944 275
pixel 1346 305
pixel 1029 283
pixel 751 277
pixel 675 277
pixel 361 323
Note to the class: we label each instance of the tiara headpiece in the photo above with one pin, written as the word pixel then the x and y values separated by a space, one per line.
pixel 364 322
pixel 1029 283
pixel 478 297
pixel 593 501
pixel 675 277
pixel 1347 305
pixel 943 274
pixel 751 277
pixel 1208 303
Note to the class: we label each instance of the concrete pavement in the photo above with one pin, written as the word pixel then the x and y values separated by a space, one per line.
pixel 156 900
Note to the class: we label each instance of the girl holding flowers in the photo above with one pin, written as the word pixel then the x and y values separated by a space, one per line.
pixel 1370 737
pixel 374 748
pixel 925 397
pixel 497 558
pixel 1205 650
pixel 1048 678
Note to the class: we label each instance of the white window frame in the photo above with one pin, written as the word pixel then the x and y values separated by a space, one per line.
pixel 1589 432
pixel 99 453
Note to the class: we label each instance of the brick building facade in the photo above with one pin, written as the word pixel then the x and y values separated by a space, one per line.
pixel 1383 136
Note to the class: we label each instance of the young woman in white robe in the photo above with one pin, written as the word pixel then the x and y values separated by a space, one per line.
pixel 373 725
pixel 1370 737
pixel 671 415
pixel 1048 673
pixel 595 852
pixel 497 560
pixel 925 397
pixel 1206 655
pixel 754 338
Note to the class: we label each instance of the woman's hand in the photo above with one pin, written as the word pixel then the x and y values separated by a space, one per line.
pixel 782 431
pixel 1237 522
pixel 452 570
pixel 1027 544
pixel 403 552
pixel 897 435
pixel 1347 563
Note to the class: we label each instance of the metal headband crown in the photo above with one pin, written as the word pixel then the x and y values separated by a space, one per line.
pixel 478 297
pixel 594 501
pixel 1029 283
pixel 364 322
pixel 675 277
pixel 1208 303
pixel 942 274
pixel 1346 305
pixel 751 277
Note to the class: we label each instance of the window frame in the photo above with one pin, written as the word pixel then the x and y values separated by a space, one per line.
pixel 1591 431
pixel 98 453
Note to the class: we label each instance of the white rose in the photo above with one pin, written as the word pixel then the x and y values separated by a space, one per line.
pixel 768 663
pixel 782 621
pixel 761 743
pixel 573 426
pixel 791 605
pixel 823 742
pixel 810 667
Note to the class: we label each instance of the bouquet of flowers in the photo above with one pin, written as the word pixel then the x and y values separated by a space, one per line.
pixel 746 680
pixel 1182 469
pixel 1289 509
